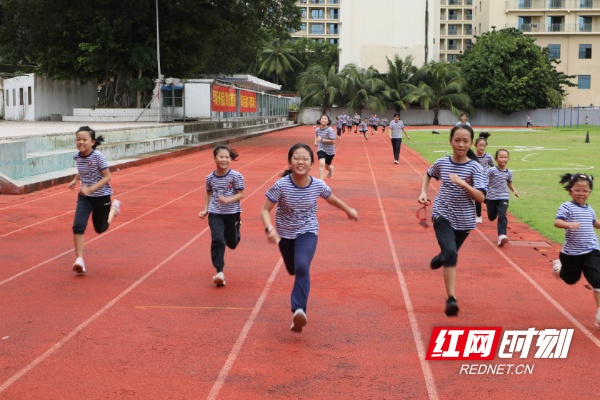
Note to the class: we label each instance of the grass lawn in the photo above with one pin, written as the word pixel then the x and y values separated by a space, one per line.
pixel 537 158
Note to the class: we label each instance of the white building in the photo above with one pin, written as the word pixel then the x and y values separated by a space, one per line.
pixel 36 98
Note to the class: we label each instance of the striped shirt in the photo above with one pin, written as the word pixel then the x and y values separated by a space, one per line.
pixel 582 240
pixel 498 183
pixel 362 127
pixel 373 121
pixel 226 185
pixel 453 202
pixel 327 133
pixel 90 170
pixel 339 123
pixel 296 212
pixel 396 128
pixel 461 123
pixel 486 161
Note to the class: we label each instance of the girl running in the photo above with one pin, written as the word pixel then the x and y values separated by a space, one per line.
pixel 463 120
pixel 463 182
pixel 396 129
pixel 339 124
pixel 94 191
pixel 581 251
pixel 486 162
pixel 383 124
pixel 325 142
pixel 496 199
pixel 362 127
pixel 224 190
pixel 296 195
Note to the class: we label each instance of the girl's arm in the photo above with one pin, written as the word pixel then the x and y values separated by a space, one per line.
pixel 74 181
pixel 408 137
pixel 231 199
pixel 204 213
pixel 596 224
pixel 425 183
pixel 562 224
pixel 87 190
pixel 336 202
pixel 476 194
pixel 511 187
pixel 265 214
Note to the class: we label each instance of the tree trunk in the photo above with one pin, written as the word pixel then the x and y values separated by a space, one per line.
pixel 436 114
pixel 138 94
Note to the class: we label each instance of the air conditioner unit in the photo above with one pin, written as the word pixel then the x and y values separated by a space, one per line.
pixel 534 25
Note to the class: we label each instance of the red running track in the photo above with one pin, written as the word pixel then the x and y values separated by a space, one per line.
pixel 147 322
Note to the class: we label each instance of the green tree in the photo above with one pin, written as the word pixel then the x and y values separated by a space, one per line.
pixel 441 85
pixel 363 88
pixel 114 41
pixel 320 87
pixel 507 71
pixel 278 61
pixel 398 81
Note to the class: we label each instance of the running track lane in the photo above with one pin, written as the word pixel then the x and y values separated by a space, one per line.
pixel 146 322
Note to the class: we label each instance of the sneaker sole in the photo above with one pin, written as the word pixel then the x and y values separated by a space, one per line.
pixel 219 281
pixel 299 321
pixel 503 242
pixel 79 269
pixel 452 310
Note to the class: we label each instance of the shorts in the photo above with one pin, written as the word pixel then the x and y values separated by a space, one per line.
pixel 574 266
pixel 328 157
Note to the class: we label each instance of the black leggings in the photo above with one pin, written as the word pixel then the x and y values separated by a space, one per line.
pixel 98 207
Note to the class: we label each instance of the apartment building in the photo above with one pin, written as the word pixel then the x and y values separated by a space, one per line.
pixel 570 29
pixel 455 28
pixel 320 20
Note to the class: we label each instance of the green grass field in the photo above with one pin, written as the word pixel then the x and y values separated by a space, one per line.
pixel 537 158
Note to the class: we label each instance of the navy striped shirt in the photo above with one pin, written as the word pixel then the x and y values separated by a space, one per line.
pixel 453 202
pixel 582 240
pixel 227 186
pixel 486 160
pixel 498 183
pixel 90 170
pixel 327 133
pixel 296 212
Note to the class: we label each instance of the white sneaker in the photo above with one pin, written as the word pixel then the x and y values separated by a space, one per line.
pixel 556 266
pixel 219 279
pixel 116 204
pixel 79 266
pixel 502 240
pixel 479 220
pixel 395 161
pixel 597 322
pixel 330 173
pixel 298 320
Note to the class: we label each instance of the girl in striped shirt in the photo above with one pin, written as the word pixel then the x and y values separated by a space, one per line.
pixel 496 199
pixel 464 182
pixel 581 251
pixel 325 142
pixel 94 191
pixel 296 195
pixel 486 162
pixel 224 190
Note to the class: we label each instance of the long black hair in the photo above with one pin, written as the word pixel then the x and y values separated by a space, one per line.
pixel 483 136
pixel 568 180
pixel 232 153
pixel 470 153
pixel 291 154
pixel 97 140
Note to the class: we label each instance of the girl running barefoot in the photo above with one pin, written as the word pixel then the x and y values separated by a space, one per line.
pixel 463 182
pixel 296 225
pixel 581 251
pixel 496 199
pixel 325 142
pixel 94 192
pixel 486 162
pixel 224 190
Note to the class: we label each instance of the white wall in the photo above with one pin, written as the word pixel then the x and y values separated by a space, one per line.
pixel 372 30
pixel 43 97
pixel 197 98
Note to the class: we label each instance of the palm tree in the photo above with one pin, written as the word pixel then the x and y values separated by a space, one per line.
pixel 278 60
pixel 363 88
pixel 398 78
pixel 320 87
pixel 441 85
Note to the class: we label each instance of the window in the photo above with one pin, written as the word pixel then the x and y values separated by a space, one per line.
pixel 524 3
pixel 555 24
pixel 452 29
pixel 317 1
pixel 20 96
pixel 302 27
pixel 453 15
pixel 468 15
pixel 585 24
pixel 333 29
pixel 334 13
pixel 452 58
pixel 333 41
pixel 525 24
pixel 317 14
pixel 584 81
pixel 29 95
pixel 172 97
pixel 555 3
pixel 585 3
pixel 452 2
pixel 452 44
pixel 468 43
pixel 554 51
pixel 585 51
pixel 317 29
pixel 468 29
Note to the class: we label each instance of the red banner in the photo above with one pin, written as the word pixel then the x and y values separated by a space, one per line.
pixel 223 99
pixel 247 101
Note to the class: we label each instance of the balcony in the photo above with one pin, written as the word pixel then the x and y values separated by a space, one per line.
pixel 540 28
pixel 552 4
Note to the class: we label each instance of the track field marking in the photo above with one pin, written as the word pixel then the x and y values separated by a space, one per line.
pixel 414 325
pixel 111 303
pixel 190 308
pixel 118 227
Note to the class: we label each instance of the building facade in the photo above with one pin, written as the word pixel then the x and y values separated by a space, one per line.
pixel 570 29
pixel 455 28
pixel 320 20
